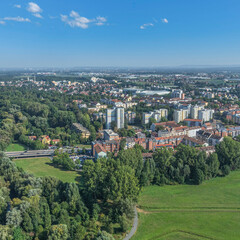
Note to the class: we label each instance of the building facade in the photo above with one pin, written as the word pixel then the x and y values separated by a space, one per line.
pixel 115 115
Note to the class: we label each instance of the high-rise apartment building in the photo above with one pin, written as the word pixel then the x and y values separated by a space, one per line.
pixel 206 114
pixel 194 111
pixel 178 93
pixel 115 115
pixel 130 117
pixel 157 115
pixel 180 115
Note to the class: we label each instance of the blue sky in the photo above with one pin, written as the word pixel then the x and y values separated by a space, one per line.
pixel 134 33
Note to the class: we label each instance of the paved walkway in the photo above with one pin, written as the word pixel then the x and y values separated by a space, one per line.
pixel 134 227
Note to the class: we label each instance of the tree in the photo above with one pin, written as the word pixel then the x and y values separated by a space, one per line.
pixel 14 218
pixel 79 232
pixel 114 126
pixel 63 160
pixel 163 119
pixel 228 152
pixel 123 143
pixel 213 165
pixel 198 176
pixel 93 133
pixel 27 222
pixel 148 172
pixel 133 158
pixel 5 233
pixel 108 179
pixel 18 234
pixel 123 223
pixel 104 236
pixel 151 121
pixel 57 232
pixel 226 170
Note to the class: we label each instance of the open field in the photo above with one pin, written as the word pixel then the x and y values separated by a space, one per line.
pixel 15 147
pixel 41 167
pixel 187 212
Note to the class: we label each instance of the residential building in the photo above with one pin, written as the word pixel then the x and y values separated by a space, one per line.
pixel 178 93
pixel 194 111
pixel 46 140
pixel 178 131
pixel 206 115
pixel 98 147
pixel 193 142
pixel 180 115
pixel 110 135
pixel 84 105
pixel 130 117
pixel 79 128
pixel 193 122
pixel 164 125
pixel 157 115
pixel 146 117
pixel 115 115
pixel 33 138
pixel 99 116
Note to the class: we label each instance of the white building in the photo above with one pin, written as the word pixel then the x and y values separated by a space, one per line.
pixel 177 93
pixel 206 115
pixel 130 116
pixel 157 115
pixel 194 111
pixel 180 115
pixel 115 115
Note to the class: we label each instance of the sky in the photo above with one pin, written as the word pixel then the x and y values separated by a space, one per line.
pixel 119 33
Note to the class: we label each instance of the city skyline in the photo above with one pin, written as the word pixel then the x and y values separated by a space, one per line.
pixel 123 34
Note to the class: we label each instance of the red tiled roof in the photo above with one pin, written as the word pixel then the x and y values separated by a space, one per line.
pixel 171 137
pixel 99 148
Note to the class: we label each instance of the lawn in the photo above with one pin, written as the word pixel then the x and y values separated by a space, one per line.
pixel 187 212
pixel 41 167
pixel 83 146
pixel 15 147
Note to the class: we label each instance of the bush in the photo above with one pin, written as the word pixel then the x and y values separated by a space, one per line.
pixel 226 170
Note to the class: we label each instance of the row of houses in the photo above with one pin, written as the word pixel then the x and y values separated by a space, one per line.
pixel 44 139
pixel 192 136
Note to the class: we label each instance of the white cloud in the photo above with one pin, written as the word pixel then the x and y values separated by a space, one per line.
pixel 145 25
pixel 34 9
pixel 17 6
pixel 75 20
pixel 17 19
pixel 164 20
pixel 38 15
pixel 101 21
pixel 2 22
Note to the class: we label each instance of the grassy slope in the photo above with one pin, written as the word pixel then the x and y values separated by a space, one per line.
pixel 14 147
pixel 42 167
pixel 208 211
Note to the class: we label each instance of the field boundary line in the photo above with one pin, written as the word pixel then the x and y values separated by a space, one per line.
pixel 186 232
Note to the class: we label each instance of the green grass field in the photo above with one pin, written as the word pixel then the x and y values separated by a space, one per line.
pixel 187 212
pixel 15 147
pixel 41 167
pixel 83 146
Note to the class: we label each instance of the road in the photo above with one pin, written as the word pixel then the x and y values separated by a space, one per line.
pixel 36 153
pixel 134 227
